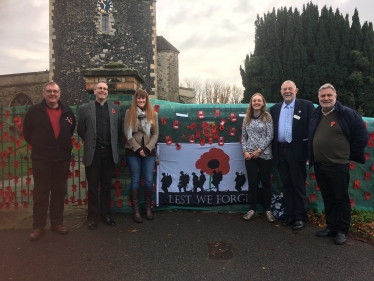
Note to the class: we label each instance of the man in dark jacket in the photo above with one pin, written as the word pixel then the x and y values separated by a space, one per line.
pixel 290 151
pixel 337 135
pixel 99 125
pixel 48 127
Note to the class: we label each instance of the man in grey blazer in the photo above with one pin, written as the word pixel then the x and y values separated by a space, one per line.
pixel 99 124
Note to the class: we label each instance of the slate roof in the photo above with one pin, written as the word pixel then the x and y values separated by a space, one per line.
pixel 164 45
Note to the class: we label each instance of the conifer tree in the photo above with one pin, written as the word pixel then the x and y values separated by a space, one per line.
pixel 312 48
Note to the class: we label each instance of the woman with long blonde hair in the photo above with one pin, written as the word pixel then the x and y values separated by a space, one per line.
pixel 141 131
pixel 257 135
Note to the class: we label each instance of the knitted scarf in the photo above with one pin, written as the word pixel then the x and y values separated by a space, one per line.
pixel 143 121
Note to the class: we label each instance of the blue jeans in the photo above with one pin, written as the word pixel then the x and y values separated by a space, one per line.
pixel 138 166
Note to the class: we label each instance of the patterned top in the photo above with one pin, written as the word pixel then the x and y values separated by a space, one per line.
pixel 258 135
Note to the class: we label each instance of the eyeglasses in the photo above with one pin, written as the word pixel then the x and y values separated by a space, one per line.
pixel 102 89
pixel 52 91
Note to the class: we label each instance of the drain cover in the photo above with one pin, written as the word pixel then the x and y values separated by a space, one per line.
pixel 220 251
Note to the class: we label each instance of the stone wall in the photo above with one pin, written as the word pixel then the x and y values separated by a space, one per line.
pixel 186 95
pixel 22 88
pixel 168 75
pixel 78 42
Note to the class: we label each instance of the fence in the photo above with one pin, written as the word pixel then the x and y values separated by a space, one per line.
pixel 16 181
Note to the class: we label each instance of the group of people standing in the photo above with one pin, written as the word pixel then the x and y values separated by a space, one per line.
pixel 48 128
pixel 329 136
pixel 332 134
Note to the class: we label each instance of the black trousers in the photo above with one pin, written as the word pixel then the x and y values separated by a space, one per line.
pixel 99 174
pixel 333 182
pixel 259 169
pixel 50 182
pixel 293 177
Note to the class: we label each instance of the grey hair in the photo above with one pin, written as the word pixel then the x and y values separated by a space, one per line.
pixel 51 83
pixel 99 83
pixel 290 82
pixel 327 86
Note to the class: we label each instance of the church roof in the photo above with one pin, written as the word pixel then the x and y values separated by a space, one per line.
pixel 164 45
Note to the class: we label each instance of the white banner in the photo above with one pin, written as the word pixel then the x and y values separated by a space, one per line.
pixel 201 175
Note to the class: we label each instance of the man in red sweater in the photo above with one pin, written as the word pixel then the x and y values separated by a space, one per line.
pixel 48 127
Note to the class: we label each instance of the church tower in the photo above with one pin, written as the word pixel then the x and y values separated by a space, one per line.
pixel 88 34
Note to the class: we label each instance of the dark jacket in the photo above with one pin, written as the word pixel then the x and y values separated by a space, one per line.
pixel 38 132
pixel 353 128
pixel 302 112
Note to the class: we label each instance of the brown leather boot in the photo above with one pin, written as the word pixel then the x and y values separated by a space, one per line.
pixel 134 193
pixel 148 204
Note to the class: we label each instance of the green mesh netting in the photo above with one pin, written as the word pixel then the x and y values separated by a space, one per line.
pixel 361 183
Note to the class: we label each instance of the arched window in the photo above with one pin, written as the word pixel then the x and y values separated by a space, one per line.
pixel 20 100
pixel 105 23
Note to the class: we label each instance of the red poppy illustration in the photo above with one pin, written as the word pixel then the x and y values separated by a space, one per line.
pixel 113 111
pixel 215 159
pixel 333 123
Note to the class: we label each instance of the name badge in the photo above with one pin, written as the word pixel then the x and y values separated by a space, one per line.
pixel 296 117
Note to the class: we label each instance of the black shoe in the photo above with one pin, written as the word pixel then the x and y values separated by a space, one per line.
pixel 108 220
pixel 92 225
pixel 298 225
pixel 288 221
pixel 340 239
pixel 327 232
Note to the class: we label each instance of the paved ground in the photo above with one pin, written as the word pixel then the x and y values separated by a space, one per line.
pixel 175 246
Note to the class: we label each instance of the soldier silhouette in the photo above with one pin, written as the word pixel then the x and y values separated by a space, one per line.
pixel 195 182
pixel 184 180
pixel 216 179
pixel 166 182
pixel 239 181
pixel 202 180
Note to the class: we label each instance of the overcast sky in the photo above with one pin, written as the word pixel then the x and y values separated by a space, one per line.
pixel 213 37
